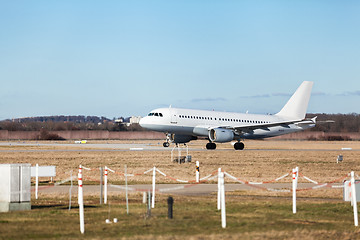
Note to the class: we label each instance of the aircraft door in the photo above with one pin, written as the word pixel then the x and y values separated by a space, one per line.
pixel 173 116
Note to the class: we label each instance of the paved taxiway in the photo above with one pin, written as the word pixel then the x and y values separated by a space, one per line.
pixel 179 189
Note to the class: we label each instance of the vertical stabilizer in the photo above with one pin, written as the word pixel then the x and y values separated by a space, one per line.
pixel 295 108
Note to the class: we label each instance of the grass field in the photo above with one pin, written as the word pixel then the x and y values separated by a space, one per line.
pixel 250 214
pixel 194 218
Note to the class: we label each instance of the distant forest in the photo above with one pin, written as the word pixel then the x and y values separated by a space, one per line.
pixel 67 123
pixel 343 123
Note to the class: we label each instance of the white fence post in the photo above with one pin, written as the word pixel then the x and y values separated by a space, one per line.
pixel 197 171
pixel 70 189
pixel 153 188
pixel 36 181
pixel 144 197
pixel 219 188
pixel 81 201
pixel 223 209
pixel 294 186
pixel 353 198
pixel 105 184
pixel 101 185
pixel 126 191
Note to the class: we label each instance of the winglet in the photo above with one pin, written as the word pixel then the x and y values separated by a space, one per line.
pixel 295 108
pixel 314 119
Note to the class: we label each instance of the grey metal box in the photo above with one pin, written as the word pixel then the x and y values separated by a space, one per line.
pixel 15 185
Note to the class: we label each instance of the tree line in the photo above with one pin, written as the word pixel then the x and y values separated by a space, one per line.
pixel 68 123
pixel 342 122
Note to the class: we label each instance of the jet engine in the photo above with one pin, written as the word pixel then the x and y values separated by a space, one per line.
pixel 176 138
pixel 221 135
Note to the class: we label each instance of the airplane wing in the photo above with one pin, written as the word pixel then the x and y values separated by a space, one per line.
pixel 251 128
pixel 266 126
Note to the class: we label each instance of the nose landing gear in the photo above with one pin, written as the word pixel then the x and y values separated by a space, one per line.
pixel 168 140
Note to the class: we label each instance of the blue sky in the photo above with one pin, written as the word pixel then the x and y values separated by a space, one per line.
pixel 123 58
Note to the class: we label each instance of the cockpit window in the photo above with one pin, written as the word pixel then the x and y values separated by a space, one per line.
pixel 155 114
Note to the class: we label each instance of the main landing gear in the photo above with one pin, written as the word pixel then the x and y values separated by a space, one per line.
pixel 210 146
pixel 166 144
pixel 237 146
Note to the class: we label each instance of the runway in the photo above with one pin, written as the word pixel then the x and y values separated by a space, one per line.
pixel 101 147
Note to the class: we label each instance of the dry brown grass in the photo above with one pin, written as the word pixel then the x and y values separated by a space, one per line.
pixel 261 161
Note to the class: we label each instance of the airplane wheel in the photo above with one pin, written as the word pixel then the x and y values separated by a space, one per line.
pixel 166 144
pixel 239 146
pixel 210 146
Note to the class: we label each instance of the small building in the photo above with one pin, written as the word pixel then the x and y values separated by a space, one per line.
pixel 119 121
pixel 134 119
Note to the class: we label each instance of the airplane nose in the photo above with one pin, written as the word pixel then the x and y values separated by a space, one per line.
pixel 142 122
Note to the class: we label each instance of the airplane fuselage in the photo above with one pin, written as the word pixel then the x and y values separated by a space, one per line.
pixel 198 122
pixel 185 125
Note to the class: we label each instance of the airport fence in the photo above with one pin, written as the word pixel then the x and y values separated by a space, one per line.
pixel 220 175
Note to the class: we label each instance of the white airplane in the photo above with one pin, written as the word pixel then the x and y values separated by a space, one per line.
pixel 183 125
